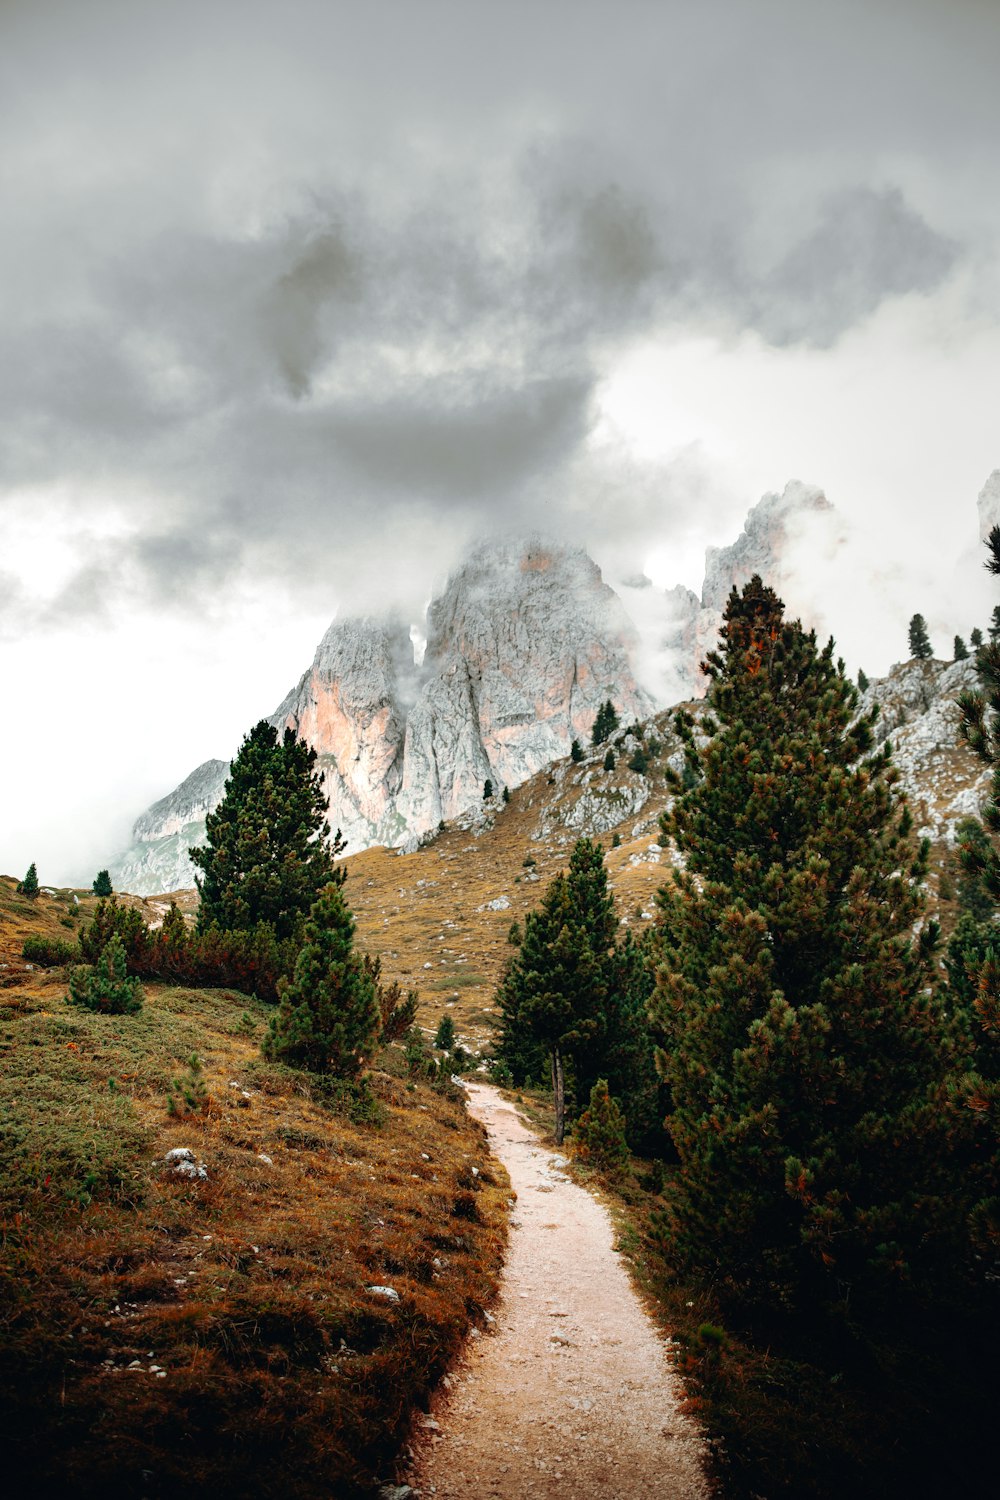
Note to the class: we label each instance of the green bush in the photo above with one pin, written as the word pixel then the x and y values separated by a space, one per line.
pixel 599 1133
pixel 445 1038
pixel 106 987
pixel 49 953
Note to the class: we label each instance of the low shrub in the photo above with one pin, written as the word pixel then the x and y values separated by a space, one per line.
pixel 106 986
pixel 50 953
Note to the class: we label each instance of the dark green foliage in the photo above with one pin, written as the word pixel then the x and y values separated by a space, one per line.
pixel 111 920
pixel 397 1011
pixel 29 885
pixel 627 1056
pixel 444 1039
pixel 50 953
pixel 552 995
pixel 920 643
pixel 102 883
pixel 975 851
pixel 803 1049
pixel 609 761
pixel 606 723
pixel 993 628
pixel 328 1019
pixel 487 789
pixel 599 1133
pixel 267 851
pixel 576 752
pixel 978 990
pixel 106 987
pixel 863 683
pixel 639 760
pixel 616 841
pixel 975 638
pixel 960 650
pixel 506 795
pixel 252 962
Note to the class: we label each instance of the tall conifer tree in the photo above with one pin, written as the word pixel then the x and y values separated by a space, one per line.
pixel 328 1019
pixel 267 851
pixel 800 1041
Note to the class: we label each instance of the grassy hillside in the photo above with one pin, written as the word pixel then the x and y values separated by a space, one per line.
pixel 161 1334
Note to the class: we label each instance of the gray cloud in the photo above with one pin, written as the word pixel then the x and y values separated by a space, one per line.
pixel 361 277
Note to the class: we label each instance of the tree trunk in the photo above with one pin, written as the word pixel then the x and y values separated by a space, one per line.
pixel 559 1094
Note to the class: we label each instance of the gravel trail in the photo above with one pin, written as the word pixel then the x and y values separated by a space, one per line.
pixel 571 1393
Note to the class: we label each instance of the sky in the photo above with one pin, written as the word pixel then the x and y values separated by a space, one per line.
pixel 299 300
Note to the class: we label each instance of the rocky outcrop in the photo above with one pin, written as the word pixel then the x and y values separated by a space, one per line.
pixel 989 505
pixel 918 714
pixel 351 707
pixel 157 859
pixel 523 646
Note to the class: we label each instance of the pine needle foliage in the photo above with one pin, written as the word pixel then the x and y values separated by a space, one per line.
pixel 974 954
pixel 599 1133
pixel 919 640
pixel 29 885
pixel 267 851
pixel 800 1041
pixel 328 1019
pixel 552 998
pixel 605 723
pixel 107 987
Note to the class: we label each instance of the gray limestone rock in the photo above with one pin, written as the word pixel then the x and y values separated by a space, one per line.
pixel 524 644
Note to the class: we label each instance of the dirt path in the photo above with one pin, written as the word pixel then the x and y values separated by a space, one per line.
pixel 571 1393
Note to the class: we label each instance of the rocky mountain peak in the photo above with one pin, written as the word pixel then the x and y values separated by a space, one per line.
pixel 989 505
pixel 524 643
pixel 765 544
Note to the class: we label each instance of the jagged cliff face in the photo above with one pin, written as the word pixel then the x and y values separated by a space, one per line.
pixel 350 706
pixel 158 857
pixel 524 644
pixel 989 505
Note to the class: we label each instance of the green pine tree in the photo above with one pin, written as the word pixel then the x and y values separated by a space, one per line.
pixel 802 1046
pixel 975 638
pixel 993 628
pixel 267 851
pixel 863 683
pixel 609 761
pixel 106 987
pixel 29 885
pixel 605 723
pixel 102 884
pixel 444 1038
pixel 980 962
pixel 328 1019
pixel 599 1133
pixel 487 789
pixel 920 642
pixel 552 997
pixel 638 761
pixel 960 650
pixel 576 752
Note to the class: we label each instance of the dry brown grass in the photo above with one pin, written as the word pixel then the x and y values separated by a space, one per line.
pixel 278 1371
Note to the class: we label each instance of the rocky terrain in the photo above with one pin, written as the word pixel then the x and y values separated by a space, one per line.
pixel 523 646
pixel 440 916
